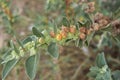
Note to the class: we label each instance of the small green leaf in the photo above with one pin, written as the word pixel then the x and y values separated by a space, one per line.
pixel 53 50
pixel 14 47
pixel 8 67
pixel 55 29
pixel 116 75
pixel 65 22
pixel 36 32
pixel 20 43
pixel 100 60
pixel 93 72
pixel 116 39
pixel 26 40
pixel 31 66
pixel 78 43
pixel 88 17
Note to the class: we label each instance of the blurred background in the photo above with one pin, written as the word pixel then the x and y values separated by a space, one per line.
pixel 74 62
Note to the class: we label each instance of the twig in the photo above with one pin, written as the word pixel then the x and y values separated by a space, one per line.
pixel 79 69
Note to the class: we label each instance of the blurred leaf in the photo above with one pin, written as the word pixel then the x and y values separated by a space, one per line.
pixel 20 43
pixel 65 22
pixel 107 28
pixel 26 40
pixel 116 39
pixel 53 50
pixel 116 75
pixel 14 47
pixel 37 32
pixel 100 60
pixel 8 67
pixel 7 53
pixel 31 66
pixel 89 38
pixel 55 29
pixel 88 17
pixel 93 72
pixel 78 43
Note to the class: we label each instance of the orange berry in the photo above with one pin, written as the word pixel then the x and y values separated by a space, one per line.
pixel 89 31
pixel 82 36
pixel 52 34
pixel 83 30
pixel 96 26
pixel 64 35
pixel 64 28
pixel 59 37
pixel 72 29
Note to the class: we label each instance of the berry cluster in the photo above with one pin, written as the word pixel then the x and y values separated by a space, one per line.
pixel 63 33
pixel 100 21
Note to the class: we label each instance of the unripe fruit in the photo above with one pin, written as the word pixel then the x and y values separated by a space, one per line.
pixel 52 34
pixel 72 29
pixel 83 30
pixel 82 36
pixel 59 37
pixel 41 40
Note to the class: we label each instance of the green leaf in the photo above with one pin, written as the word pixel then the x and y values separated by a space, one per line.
pixel 31 66
pixel 116 75
pixel 116 39
pixel 93 72
pixel 100 60
pixel 88 17
pixel 53 50
pixel 26 40
pixel 65 22
pixel 36 32
pixel 8 67
pixel 14 47
pixel 55 29
pixel 78 43
pixel 20 43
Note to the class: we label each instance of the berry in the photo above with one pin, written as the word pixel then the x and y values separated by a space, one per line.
pixel 65 29
pixel 82 36
pixel 95 26
pixel 52 34
pixel 72 29
pixel 83 30
pixel 63 34
pixel 59 37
